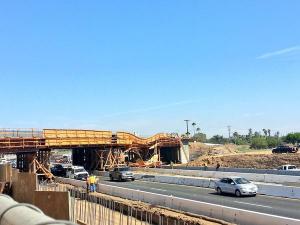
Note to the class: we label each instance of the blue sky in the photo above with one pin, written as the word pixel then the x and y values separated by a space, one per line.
pixel 145 66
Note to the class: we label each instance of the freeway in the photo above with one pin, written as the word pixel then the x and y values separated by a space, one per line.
pixel 264 204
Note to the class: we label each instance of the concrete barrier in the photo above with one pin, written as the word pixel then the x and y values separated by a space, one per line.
pixel 229 214
pixel 239 170
pixel 266 178
pixel 263 188
pixel 279 190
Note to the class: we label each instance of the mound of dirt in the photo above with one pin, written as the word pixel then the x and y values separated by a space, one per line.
pixel 258 161
pixel 198 149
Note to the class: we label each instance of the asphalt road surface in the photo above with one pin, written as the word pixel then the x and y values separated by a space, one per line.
pixel 261 203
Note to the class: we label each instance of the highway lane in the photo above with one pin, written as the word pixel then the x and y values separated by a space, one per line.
pixel 261 203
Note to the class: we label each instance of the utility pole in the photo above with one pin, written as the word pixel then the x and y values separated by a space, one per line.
pixel 187 127
pixel 229 131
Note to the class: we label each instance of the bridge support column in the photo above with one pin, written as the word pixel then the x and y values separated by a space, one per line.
pixel 86 157
pixel 185 151
pixel 25 161
pixel 35 162
pixel 43 157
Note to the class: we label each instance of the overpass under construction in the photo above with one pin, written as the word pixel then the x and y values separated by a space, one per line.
pixel 93 149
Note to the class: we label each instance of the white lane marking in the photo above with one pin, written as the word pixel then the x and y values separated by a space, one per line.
pixel 246 203
pixel 158 189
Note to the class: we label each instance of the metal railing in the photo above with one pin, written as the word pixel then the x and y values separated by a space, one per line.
pixel 20 133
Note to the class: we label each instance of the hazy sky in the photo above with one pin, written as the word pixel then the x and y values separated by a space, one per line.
pixel 145 66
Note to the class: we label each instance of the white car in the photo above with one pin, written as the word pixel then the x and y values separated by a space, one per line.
pixel 236 185
pixel 288 168
pixel 78 173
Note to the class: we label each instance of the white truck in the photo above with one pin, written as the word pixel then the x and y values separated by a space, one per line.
pixel 78 173
pixel 288 168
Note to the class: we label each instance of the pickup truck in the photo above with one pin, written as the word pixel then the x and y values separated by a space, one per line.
pixel 288 168
pixel 121 173
pixel 285 149
pixel 78 173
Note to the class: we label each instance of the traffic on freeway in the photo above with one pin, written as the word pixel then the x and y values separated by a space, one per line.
pixel 261 203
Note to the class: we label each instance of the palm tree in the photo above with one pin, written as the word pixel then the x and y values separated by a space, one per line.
pixel 194 125
pixel 269 132
pixel 235 134
pixel 250 132
pixel 256 134
pixel 198 130
pixel 265 132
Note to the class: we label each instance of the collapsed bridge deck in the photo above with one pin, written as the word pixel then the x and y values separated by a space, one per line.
pixel 93 149
pixel 12 141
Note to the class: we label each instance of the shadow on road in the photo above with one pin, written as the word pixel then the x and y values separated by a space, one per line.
pixel 231 195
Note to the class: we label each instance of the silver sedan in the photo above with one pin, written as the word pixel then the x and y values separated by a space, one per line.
pixel 236 185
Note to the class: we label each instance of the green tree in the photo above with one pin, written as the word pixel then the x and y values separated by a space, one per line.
pixel 249 135
pixel 250 132
pixel 200 137
pixel 265 132
pixel 235 134
pixel 259 143
pixel 292 138
pixel 218 139
pixel 273 142
pixel 194 127
pixel 256 134
pixel 236 138
pixel 241 141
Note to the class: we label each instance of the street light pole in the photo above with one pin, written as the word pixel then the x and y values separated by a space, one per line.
pixel 187 127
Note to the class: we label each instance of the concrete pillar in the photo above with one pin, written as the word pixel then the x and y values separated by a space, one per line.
pixel 185 151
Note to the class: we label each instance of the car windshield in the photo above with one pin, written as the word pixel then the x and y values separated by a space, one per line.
pixel 241 181
pixel 79 170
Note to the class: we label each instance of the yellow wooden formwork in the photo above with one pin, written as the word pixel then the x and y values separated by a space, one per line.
pixel 156 137
pixel 64 137
pixel 128 138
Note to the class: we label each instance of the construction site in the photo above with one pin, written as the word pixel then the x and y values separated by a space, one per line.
pixel 168 184
pixel 51 199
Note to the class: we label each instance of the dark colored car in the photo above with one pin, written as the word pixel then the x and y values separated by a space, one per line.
pixel 58 170
pixel 285 149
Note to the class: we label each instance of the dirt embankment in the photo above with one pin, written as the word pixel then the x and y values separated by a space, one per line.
pixel 199 149
pixel 230 155
pixel 258 161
